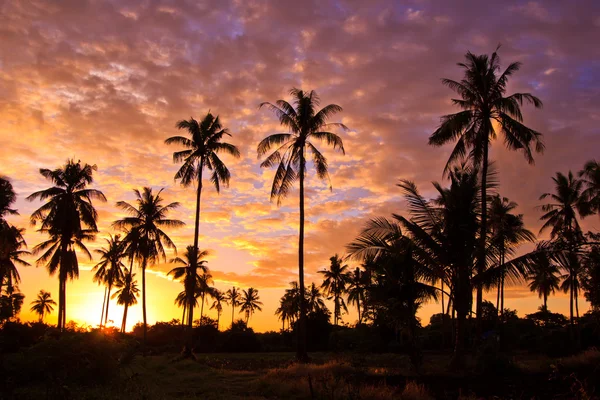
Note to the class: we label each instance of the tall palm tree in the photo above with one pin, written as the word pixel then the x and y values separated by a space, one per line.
pixel 69 218
pixel 314 299
pixel 109 270
pixel 485 112
pixel 11 253
pixel 43 304
pixel 188 274
pixel 250 303
pixel 126 294
pixel 508 231
pixel 7 198
pixel 357 290
pixel 335 280
pixel 544 279
pixel 590 175
pixel 145 223
pixel 233 297
pixel 203 289
pixel 219 299
pixel 304 124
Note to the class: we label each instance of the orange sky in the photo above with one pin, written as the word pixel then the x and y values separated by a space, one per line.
pixel 105 82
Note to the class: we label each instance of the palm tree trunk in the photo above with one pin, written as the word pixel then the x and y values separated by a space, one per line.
pixel 571 301
pixel 107 303
pixel 218 318
pixel 144 302
pixel 498 299
pixel 545 301
pixel 502 261
pixel 202 308
pixel 124 324
pixel 103 307
pixel 60 303
pixel 232 314
pixel 442 284
pixel 301 349
pixel 576 303
pixel 483 233
pixel 183 315
pixel 358 308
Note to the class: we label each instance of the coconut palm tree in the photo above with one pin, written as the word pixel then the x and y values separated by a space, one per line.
pixel 544 279
pixel 305 125
pixel 250 303
pixel 110 268
pixel 11 253
pixel 233 297
pixel 357 290
pixel 69 218
pixel 188 274
pixel 508 231
pixel 7 198
pixel 314 299
pixel 43 304
pixel 485 113
pixel 146 239
pixel 219 299
pixel 590 175
pixel 335 280
pixel 126 294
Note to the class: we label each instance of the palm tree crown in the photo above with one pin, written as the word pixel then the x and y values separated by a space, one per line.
pixel 335 280
pixel 250 303
pixel 43 304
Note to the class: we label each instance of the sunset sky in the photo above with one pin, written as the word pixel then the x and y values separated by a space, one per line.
pixel 105 82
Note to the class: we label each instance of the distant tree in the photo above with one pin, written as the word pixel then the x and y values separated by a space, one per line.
pixel 146 240
pixel 109 270
pixel 69 218
pixel 485 112
pixel 591 285
pixel 7 198
pixel 590 175
pixel 126 294
pixel 544 279
pixel 335 280
pixel 11 302
pixel 219 298
pixel 43 304
pixel 543 317
pixel 250 303
pixel 357 289
pixel 233 297
pixel 204 289
pixel 314 300
pixel 11 253
pixel 304 124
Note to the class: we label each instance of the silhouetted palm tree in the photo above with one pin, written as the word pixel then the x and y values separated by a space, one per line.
pixel 43 304
pixel 304 124
pixel 203 289
pixel 508 231
pixel 145 224
pixel 69 217
pixel 109 270
pixel 314 299
pixel 335 280
pixel 7 198
pixel 127 294
pixel 357 290
pixel 485 112
pixel 250 303
pixel 561 214
pixel 192 262
pixel 11 243
pixel 233 297
pixel 590 175
pixel 219 299
pixel 544 279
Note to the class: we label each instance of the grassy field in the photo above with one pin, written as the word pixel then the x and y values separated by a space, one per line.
pixel 276 376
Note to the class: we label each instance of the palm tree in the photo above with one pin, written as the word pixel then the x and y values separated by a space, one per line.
pixel 69 217
pixel 192 262
pixel 202 289
pixel 43 304
pixel 219 299
pixel 544 279
pixel 109 270
pixel 335 280
pixel 485 112
pixel 314 299
pixel 250 303
pixel 590 175
pixel 11 243
pixel 145 238
pixel 233 298
pixel 304 124
pixel 357 290
pixel 7 198
pixel 127 294
pixel 508 231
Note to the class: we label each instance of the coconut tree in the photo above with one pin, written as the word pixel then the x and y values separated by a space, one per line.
pixel 485 112
pixel 544 279
pixel 305 125
pixel 110 268
pixel 335 280
pixel 314 299
pixel 193 261
pixel 146 238
pixel 508 231
pixel 204 289
pixel 357 290
pixel 590 175
pixel 250 303
pixel 43 304
pixel 69 218
pixel 219 299
pixel 233 297
pixel 7 198
pixel 126 294
pixel 11 253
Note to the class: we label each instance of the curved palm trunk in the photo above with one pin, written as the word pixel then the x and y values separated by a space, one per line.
pixel 483 233
pixel 202 308
pixel 301 349
pixel 103 307
pixel 107 303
